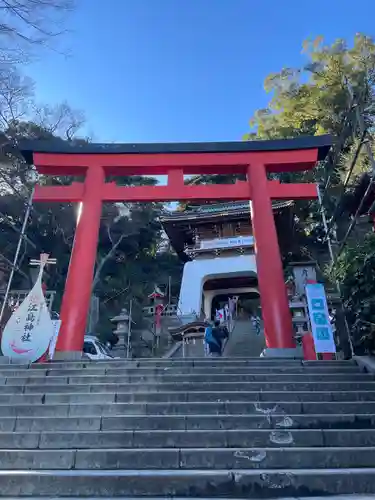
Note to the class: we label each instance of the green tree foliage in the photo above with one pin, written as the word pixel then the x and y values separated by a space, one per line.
pixel 354 270
pixel 317 99
pixel 314 99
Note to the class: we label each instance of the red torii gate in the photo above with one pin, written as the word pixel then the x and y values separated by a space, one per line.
pixel 98 161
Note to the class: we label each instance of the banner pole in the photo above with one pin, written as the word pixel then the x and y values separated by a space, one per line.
pixel 16 255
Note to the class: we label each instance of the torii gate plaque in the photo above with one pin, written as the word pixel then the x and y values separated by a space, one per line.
pixel 97 161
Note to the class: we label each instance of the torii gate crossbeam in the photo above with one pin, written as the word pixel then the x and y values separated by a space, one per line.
pixel 96 162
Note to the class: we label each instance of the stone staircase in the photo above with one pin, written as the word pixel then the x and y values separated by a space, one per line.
pixel 233 428
pixel 244 341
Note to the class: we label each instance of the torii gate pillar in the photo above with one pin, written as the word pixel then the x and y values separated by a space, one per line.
pixel 78 288
pixel 277 321
pixel 96 161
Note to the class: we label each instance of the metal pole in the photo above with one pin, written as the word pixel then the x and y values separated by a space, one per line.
pixel 169 290
pixel 129 328
pixel 18 249
pixel 322 211
pixel 325 225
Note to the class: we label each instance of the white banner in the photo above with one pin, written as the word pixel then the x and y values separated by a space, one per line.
pixel 52 345
pixel 27 334
pixel 227 242
pixel 320 323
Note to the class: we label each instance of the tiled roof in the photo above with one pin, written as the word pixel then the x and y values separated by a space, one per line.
pixel 234 207
pixel 241 205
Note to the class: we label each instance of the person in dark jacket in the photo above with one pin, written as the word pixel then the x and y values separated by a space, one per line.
pixel 220 333
pixel 212 341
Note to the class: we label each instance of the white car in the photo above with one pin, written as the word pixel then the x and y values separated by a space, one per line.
pixel 96 350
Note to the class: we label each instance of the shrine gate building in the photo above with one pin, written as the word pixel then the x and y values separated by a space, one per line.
pixel 217 245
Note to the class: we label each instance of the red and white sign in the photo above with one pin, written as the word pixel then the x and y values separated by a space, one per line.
pixel 28 333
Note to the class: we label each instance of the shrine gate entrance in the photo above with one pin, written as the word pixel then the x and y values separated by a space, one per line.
pixel 96 162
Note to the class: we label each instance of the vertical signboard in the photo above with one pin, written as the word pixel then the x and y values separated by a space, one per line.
pixel 320 323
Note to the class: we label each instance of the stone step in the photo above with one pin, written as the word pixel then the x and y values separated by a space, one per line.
pixel 192 387
pixel 192 458
pixel 180 372
pixel 159 397
pixel 180 362
pixel 187 483
pixel 189 439
pixel 329 362
pixel 224 378
pixel 203 458
pixel 37 424
pixel 188 408
pixel 211 408
pixel 190 422
pixel 92 370
pixel 228 422
pixel 168 397
pixel 190 362
pixel 215 370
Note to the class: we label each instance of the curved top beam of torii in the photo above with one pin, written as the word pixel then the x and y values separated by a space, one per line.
pixel 175 160
pixel 321 142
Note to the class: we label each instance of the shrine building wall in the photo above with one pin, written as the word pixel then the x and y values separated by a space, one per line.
pixel 198 271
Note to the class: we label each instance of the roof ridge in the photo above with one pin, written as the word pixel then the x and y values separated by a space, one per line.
pixel 218 207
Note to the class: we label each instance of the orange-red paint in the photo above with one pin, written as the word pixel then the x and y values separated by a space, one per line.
pixel 175 190
pixel 162 163
pixel 77 295
pixel 95 190
pixel 273 294
pixel 308 347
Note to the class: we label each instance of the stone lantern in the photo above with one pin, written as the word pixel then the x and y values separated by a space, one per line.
pixel 121 321
pixel 303 273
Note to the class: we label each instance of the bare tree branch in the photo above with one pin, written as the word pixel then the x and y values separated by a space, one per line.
pixel 121 214
pixel 60 120
pixel 25 24
pixel 106 258
pixel 16 94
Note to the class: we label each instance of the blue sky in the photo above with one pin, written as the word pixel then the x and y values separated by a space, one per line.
pixel 183 70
